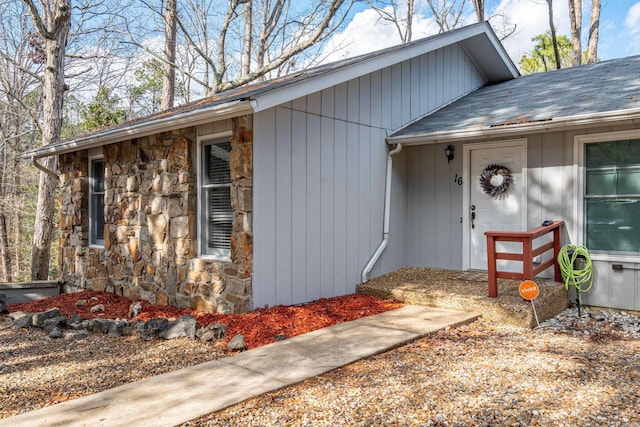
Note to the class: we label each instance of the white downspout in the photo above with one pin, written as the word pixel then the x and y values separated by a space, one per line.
pixel 386 218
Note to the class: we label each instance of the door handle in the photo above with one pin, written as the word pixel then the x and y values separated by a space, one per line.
pixel 473 216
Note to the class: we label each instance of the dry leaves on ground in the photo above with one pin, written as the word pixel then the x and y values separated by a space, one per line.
pixel 483 374
pixel 37 371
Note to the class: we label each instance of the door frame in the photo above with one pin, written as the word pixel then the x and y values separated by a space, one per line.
pixel 466 189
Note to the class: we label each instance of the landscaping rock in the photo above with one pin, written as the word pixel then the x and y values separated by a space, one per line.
pixel 131 328
pixel 183 326
pixel 150 330
pixel 116 327
pixel 25 321
pixel 3 304
pixel 237 343
pixel 81 302
pixel 39 318
pixel 213 331
pixel 97 308
pixel 76 322
pixel 55 333
pixel 135 309
pixel 58 322
pixel 99 326
pixel 71 336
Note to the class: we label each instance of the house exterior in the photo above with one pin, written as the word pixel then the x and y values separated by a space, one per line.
pixel 571 139
pixel 299 188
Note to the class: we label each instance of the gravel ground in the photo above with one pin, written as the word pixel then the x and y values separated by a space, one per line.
pixel 36 371
pixel 569 372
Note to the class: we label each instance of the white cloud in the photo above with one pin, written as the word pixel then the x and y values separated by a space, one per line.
pixel 632 20
pixel 531 19
pixel 367 32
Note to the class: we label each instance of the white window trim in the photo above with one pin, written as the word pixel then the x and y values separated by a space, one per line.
pixel 99 244
pixel 223 255
pixel 578 156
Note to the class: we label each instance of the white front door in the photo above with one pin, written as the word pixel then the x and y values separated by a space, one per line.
pixel 504 212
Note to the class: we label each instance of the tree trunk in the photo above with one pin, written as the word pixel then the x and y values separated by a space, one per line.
pixel 594 30
pixel 248 38
pixel 554 39
pixel 478 5
pixel 54 30
pixel 168 68
pixel 5 256
pixel 575 19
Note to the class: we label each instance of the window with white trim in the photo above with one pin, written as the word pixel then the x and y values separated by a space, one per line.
pixel 96 202
pixel 216 214
pixel 612 196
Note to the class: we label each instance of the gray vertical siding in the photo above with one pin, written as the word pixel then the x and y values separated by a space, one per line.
pixel 434 207
pixel 434 231
pixel 319 173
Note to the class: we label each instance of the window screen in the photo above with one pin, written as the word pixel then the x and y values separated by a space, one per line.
pixel 97 202
pixel 217 215
pixel 612 196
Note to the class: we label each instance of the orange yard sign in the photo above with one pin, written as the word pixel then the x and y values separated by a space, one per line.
pixel 529 290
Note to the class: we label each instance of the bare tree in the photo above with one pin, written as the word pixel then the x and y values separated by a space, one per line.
pixel 398 13
pixel 594 30
pixel 478 5
pixel 52 23
pixel 575 19
pixel 447 13
pixel 169 68
pixel 253 39
pixel 248 38
pixel 554 38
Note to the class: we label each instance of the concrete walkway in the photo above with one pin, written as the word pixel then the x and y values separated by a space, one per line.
pixel 177 397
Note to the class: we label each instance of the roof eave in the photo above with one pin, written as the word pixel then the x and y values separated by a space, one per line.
pixel 153 126
pixel 561 123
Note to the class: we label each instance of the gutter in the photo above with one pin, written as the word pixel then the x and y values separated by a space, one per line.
pixel 386 220
pixel 577 121
pixel 162 123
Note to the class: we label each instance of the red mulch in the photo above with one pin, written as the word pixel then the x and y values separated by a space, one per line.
pixel 259 327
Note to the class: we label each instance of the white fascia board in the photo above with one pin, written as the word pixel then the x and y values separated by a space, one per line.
pixel 569 122
pixel 136 130
pixel 314 84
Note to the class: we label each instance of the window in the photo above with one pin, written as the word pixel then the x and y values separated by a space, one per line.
pixel 216 213
pixel 612 196
pixel 96 202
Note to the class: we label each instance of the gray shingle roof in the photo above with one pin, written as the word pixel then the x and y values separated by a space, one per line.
pixel 589 89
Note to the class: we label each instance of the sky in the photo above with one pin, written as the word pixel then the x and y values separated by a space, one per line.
pixel 619 28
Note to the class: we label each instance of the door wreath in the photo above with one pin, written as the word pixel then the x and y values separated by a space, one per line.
pixel 496 181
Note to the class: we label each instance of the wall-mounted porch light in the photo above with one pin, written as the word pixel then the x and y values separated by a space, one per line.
pixel 449 153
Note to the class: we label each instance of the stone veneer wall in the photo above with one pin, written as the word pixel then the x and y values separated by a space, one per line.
pixel 151 244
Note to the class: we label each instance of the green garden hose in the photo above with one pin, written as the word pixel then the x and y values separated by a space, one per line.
pixel 578 275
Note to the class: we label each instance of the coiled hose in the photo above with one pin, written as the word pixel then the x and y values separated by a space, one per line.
pixel 579 278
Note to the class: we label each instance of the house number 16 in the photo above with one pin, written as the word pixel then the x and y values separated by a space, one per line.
pixel 458 180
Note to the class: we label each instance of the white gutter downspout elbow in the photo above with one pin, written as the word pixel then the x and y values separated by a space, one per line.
pixel 387 213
